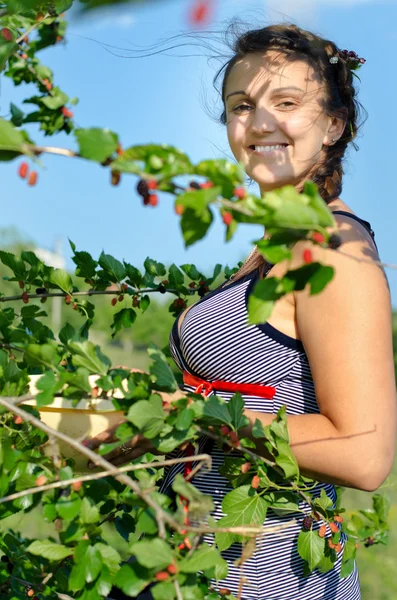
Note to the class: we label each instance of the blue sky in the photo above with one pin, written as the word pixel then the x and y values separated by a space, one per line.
pixel 163 99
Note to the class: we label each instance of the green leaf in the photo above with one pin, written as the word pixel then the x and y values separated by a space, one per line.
pixel 55 101
pixel 245 507
pixel 61 279
pixel 16 265
pixel 175 276
pixel 155 553
pixel 311 548
pixel 89 512
pixel 132 579
pixel 93 563
pixel 258 431
pixel 286 460
pixel 215 408
pixel 261 299
pixel 123 319
pixel 96 144
pixel 194 227
pixel 205 557
pixel 86 354
pixel 282 503
pixel 10 138
pixel 154 268
pixel 86 265
pixel 200 504
pixel 184 419
pixel 17 114
pixel 49 550
pixel 235 407
pixel 160 371
pixel 49 386
pixel 165 590
pixel 67 333
pixel 67 508
pixel 381 506
pixel 113 267
pixel 148 416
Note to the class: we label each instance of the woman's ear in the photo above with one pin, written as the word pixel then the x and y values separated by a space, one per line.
pixel 336 128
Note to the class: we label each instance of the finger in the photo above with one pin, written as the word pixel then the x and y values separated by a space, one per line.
pixel 105 437
pixel 129 456
pixel 121 450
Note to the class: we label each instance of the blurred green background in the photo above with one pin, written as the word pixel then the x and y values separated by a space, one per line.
pixel 376 564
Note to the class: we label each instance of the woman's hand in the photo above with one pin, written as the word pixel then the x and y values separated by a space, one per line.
pixel 136 446
pixel 130 450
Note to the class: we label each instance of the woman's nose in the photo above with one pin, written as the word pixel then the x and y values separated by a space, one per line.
pixel 263 121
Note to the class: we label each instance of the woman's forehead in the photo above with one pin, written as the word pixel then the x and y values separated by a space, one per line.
pixel 260 72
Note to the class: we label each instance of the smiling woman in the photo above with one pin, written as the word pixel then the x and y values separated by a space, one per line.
pixel 290 110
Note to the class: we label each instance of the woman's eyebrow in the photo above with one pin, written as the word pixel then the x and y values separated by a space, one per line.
pixel 275 91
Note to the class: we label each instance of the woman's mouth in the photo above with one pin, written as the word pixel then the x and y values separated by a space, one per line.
pixel 268 148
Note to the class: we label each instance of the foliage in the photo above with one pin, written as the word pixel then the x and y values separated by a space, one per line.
pixel 76 561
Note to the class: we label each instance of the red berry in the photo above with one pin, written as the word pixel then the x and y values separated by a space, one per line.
pixel 318 237
pixel 331 543
pixel 338 547
pixel 119 150
pixel 245 467
pixel 224 430
pixel 307 256
pixel 76 485
pixel 113 301
pixel 121 298
pixel 25 297
pixel 23 170
pixel 165 282
pixel 70 114
pixel 255 482
pixel 6 34
pixel 41 480
pixel 162 575
pixel 239 192
pixel 153 199
pixel 68 299
pixel 233 437
pixel 124 287
pixel 18 420
pixel 224 591
pixel 152 184
pixel 179 209
pixel 32 178
pixel 135 301
pixel 173 569
pixel 334 527
pixel 24 56
pixel 200 13
pixel 338 519
pixel 227 218
pixel 322 531
pixel 75 306
pixel 206 185
pixel 21 284
pixel 192 284
pixel 65 111
pixel 59 38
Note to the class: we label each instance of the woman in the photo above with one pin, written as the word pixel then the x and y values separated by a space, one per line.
pixel 290 112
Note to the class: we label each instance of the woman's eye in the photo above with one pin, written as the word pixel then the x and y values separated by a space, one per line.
pixel 287 102
pixel 241 106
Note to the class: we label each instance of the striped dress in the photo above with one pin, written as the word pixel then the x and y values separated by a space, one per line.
pixel 217 343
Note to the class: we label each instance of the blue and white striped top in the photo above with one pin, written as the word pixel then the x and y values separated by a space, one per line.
pixel 217 343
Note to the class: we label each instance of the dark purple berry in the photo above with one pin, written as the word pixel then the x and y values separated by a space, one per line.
pixel 334 241
pixel 41 291
pixel 201 291
pixel 162 289
pixel 307 523
pixel 369 541
pixel 195 185
pixel 142 188
pixel 5 559
pixel 362 61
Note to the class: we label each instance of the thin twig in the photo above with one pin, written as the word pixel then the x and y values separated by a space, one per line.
pixel 31 28
pixel 88 293
pixel 177 590
pixel 204 458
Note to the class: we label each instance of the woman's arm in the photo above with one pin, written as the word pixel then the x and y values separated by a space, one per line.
pixel 347 333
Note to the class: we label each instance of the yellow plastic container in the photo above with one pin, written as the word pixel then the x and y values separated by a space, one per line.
pixel 87 419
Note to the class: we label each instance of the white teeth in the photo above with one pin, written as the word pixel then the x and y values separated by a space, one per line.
pixel 269 148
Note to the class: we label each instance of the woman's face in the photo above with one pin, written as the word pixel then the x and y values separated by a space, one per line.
pixel 276 124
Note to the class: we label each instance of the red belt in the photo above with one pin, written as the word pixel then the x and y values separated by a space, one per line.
pixel 206 387
pixel 253 389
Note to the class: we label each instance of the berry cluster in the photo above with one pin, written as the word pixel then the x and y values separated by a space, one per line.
pixel 144 188
pixel 6 34
pixel 232 435
pixel 352 58
pixel 23 172
pixel 66 112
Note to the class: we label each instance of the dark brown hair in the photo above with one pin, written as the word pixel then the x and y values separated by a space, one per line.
pixel 340 97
